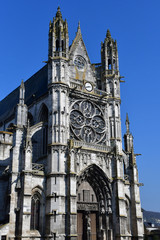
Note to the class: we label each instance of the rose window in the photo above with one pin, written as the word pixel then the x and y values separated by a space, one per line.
pixel 87 122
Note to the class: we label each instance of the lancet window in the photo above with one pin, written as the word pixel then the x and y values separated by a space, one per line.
pixel 35 212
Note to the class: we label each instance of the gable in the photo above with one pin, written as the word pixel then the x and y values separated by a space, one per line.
pixel 80 65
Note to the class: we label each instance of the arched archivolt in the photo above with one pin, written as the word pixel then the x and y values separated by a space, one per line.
pixel 101 185
pixel 37 189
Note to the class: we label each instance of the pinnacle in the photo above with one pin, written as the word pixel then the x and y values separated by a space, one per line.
pixel 108 35
pixel 58 14
pixel 79 28
pixel 127 123
pixel 127 119
pixel 22 84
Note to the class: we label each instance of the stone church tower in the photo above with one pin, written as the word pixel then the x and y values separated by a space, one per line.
pixel 63 172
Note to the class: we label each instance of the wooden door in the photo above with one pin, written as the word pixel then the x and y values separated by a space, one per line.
pixel 93 226
pixel 80 226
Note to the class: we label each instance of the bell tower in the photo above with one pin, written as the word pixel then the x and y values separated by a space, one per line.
pixel 58 49
pixel 110 83
pixel 58 36
pixel 58 126
pixel 109 54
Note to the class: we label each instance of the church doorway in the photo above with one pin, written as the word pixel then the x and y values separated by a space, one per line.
pixel 87 214
pixel 86 223
pixel 94 214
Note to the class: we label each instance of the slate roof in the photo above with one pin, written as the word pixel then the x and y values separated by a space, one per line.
pixel 35 87
pixel 150 217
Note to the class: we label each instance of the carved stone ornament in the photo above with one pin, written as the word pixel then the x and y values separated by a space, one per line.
pixel 87 122
pixel 87 206
pixel 79 62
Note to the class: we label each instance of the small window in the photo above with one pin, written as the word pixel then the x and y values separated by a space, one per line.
pixel 79 197
pixel 86 196
pixel 3 237
pixel 62 45
pixel 54 236
pixel 55 197
pixel 54 216
pixel 109 65
pixel 92 198
pixel 57 45
pixel 114 64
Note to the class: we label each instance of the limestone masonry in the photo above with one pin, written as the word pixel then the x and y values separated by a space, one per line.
pixel 63 172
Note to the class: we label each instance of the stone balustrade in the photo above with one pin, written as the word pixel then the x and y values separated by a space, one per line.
pixel 91 146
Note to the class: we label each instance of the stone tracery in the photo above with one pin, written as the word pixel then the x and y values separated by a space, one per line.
pixel 87 122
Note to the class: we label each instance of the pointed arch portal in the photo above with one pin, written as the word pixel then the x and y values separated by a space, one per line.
pixel 94 206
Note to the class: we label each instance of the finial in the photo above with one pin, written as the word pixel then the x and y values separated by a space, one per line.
pixel 58 14
pixel 108 35
pixel 22 84
pixel 21 93
pixel 79 28
pixel 127 123
pixel 127 119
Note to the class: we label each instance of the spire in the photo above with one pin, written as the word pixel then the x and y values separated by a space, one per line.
pixel 108 35
pixel 58 14
pixel 127 123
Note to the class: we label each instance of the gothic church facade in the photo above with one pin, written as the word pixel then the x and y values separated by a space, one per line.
pixel 63 172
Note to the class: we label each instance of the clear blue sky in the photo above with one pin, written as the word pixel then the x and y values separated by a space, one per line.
pixel 135 25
